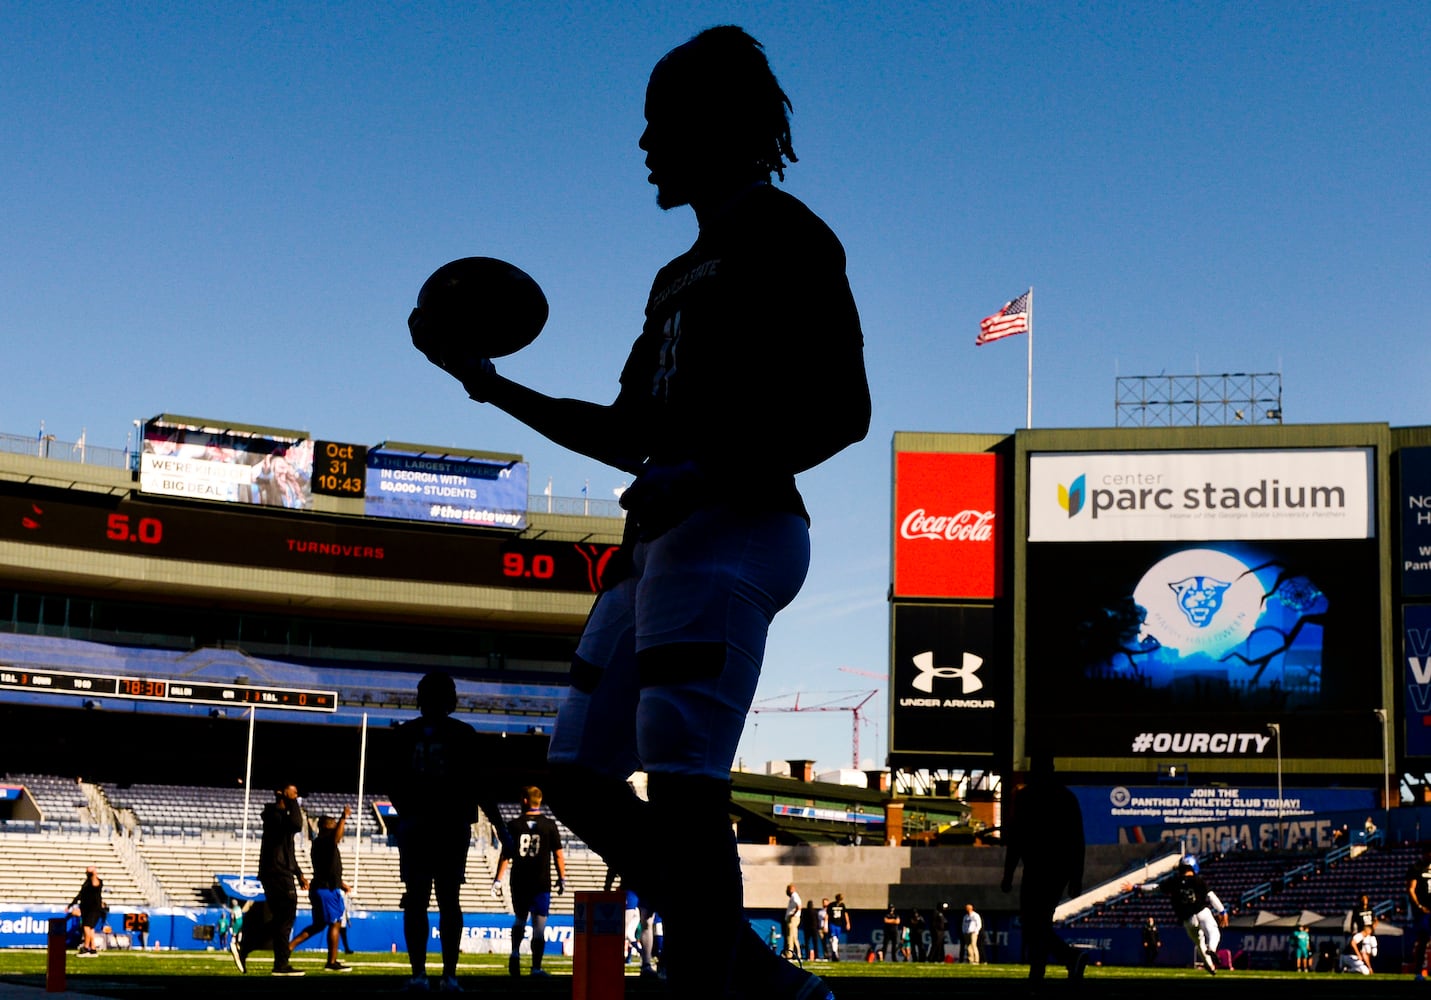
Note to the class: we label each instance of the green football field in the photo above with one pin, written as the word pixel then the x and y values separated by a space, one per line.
pixel 208 974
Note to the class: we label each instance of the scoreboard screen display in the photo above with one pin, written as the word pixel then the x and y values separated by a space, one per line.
pixel 163 689
pixel 272 540
pixel 1153 648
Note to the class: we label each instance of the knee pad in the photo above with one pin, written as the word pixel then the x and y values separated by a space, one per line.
pixel 680 662
pixel 694 700
pixel 688 795
pixel 585 675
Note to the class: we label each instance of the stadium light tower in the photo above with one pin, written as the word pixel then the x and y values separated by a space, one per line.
pixel 1275 728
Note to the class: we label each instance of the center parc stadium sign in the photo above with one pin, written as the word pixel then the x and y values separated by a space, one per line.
pixel 1299 493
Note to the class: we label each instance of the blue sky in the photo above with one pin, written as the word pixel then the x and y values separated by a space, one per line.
pixel 226 211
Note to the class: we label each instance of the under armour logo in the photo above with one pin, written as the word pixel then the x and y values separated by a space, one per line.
pixel 924 663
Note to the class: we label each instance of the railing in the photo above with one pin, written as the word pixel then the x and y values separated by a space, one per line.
pixel 1111 891
pixel 1283 880
pixel 49 447
pixel 144 876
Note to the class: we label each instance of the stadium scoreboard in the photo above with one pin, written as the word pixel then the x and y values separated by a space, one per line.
pixel 166 689
pixel 343 547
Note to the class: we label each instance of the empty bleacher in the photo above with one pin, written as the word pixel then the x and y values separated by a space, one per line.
pixel 163 845
pixel 198 811
pixel 1333 884
pixel 47 869
pixel 63 803
pixel 1283 884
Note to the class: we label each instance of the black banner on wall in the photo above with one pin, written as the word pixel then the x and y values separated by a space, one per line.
pixel 950 688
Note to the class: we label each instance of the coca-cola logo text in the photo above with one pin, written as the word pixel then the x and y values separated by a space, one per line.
pixel 965 526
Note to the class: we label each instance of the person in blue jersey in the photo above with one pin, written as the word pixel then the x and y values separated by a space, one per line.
pixel 749 370
pixel 281 878
pixel 326 887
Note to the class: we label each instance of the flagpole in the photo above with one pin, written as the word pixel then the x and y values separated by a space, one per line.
pixel 1028 391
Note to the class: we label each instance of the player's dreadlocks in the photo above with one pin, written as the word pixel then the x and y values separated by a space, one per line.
pixel 759 111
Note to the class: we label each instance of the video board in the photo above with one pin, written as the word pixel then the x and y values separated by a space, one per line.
pixel 344 547
pixel 186 691
pixel 1416 652
pixel 231 466
pixel 1415 504
pixel 1180 602
pixel 446 489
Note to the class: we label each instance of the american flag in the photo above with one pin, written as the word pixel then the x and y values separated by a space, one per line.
pixel 1012 319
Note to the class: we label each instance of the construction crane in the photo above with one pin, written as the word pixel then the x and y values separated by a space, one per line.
pixel 865 673
pixel 968 780
pixel 827 706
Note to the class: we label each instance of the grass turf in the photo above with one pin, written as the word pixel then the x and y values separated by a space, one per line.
pixel 120 974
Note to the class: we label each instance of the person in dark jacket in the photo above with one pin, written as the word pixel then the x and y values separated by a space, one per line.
pixel 1152 943
pixel 281 878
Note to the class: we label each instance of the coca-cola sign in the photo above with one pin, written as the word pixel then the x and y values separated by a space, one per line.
pixel 946 520
pixel 965 526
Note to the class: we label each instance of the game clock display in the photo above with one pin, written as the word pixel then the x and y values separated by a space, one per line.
pixel 339 470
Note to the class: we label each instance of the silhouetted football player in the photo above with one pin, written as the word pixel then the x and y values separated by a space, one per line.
pixel 749 369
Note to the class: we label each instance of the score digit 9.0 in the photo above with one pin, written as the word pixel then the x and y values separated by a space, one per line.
pixel 536 567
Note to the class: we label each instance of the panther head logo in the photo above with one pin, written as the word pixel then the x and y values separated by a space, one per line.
pixel 1199 597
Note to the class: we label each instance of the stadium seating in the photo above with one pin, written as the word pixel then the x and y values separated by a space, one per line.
pixel 63 802
pixel 47 868
pixel 1286 885
pixel 158 845
pixel 162 845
